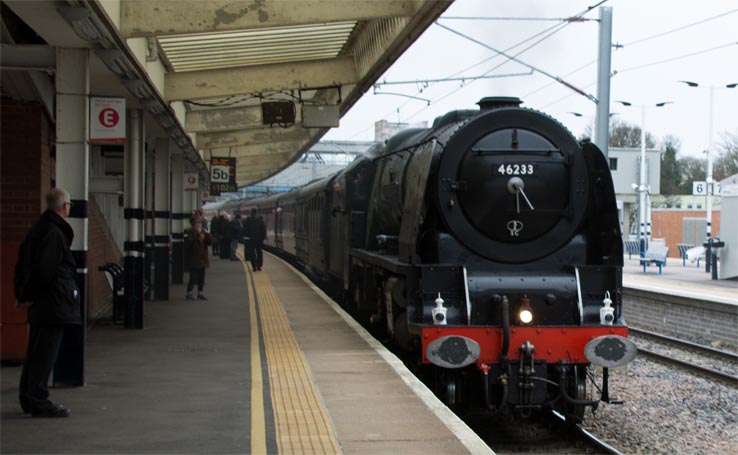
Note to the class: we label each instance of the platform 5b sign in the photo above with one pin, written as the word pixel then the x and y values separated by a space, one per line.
pixel 222 176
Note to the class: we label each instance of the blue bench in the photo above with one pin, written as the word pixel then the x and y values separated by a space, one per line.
pixel 683 247
pixel 695 253
pixel 655 255
pixel 631 247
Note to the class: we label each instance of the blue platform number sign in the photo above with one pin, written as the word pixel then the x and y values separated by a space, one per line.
pixel 222 176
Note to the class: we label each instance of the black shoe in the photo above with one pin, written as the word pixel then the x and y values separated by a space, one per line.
pixel 56 411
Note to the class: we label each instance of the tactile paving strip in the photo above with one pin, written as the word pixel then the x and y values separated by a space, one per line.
pixel 301 422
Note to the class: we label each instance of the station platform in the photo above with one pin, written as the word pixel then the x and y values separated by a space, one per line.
pixel 267 365
pixel 683 281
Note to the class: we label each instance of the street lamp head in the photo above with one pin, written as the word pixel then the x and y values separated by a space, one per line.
pixel 664 103
pixel 733 85
pixel 624 103
pixel 690 83
pixel 575 114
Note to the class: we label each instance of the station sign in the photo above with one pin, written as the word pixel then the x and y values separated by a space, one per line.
pixel 222 176
pixel 191 181
pixel 107 120
pixel 700 188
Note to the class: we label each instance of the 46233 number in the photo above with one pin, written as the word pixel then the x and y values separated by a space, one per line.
pixel 515 169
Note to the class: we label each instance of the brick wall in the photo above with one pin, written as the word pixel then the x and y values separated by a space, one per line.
pixel 101 248
pixel 668 224
pixel 682 317
pixel 26 171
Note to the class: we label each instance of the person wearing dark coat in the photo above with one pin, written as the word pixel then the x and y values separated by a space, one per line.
pixel 225 237
pixel 234 230
pixel 254 231
pixel 196 258
pixel 53 300
pixel 215 230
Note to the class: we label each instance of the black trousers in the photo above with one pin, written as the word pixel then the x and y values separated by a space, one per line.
pixel 224 250
pixel 43 348
pixel 254 254
pixel 196 276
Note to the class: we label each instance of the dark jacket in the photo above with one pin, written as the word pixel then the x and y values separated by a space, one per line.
pixel 215 225
pixel 254 229
pixel 234 228
pixel 53 272
pixel 196 250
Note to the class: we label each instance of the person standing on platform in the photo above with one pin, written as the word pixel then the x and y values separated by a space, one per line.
pixel 255 232
pixel 196 258
pixel 215 230
pixel 45 283
pixel 235 233
pixel 225 236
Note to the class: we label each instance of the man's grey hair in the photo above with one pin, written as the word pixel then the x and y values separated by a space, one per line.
pixel 56 198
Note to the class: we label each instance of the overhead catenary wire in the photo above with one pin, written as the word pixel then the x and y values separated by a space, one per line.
pixel 633 43
pixel 554 29
pixel 691 54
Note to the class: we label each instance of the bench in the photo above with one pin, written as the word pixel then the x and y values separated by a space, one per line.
pixel 656 254
pixel 696 253
pixel 631 246
pixel 683 247
pixel 115 274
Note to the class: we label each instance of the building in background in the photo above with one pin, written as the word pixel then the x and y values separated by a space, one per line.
pixel 384 130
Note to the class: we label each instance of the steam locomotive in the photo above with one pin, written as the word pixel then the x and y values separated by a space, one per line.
pixel 487 248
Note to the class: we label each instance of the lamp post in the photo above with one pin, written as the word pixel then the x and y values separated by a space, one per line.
pixel 643 186
pixel 710 181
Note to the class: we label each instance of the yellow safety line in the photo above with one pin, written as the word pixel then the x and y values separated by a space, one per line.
pixel 258 424
pixel 302 425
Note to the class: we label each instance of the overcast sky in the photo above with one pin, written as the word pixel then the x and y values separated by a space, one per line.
pixel 640 78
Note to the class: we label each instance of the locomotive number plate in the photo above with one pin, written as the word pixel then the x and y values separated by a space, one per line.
pixel 515 169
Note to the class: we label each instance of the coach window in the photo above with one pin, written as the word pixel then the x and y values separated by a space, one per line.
pixel 337 194
pixel 613 164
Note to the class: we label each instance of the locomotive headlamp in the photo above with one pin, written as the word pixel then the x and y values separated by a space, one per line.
pixel 525 313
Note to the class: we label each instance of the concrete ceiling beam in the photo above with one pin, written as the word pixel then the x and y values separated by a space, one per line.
pixel 140 18
pixel 28 56
pixel 253 136
pixel 259 79
pixel 227 119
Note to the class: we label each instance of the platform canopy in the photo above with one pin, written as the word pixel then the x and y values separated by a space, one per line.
pixel 226 59
pixel 208 70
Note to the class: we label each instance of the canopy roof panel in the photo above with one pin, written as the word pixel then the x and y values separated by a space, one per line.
pixel 201 51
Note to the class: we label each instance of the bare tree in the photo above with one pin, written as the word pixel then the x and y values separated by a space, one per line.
pixel 726 163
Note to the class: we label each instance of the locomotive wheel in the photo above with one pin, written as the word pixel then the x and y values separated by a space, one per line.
pixel 354 298
pixel 578 390
pixel 448 388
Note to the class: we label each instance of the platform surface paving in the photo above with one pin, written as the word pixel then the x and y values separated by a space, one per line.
pixel 195 380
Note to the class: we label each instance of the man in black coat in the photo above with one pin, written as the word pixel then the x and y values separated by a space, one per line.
pixel 234 228
pixel 51 289
pixel 255 232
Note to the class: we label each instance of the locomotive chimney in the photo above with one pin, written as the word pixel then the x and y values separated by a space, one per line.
pixel 496 102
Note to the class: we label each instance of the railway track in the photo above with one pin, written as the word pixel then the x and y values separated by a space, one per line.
pixel 598 444
pixel 543 433
pixel 726 360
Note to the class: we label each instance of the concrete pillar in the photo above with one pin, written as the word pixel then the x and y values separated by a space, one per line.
pixel 188 205
pixel 162 214
pixel 72 174
pixel 134 215
pixel 177 218
pixel 149 217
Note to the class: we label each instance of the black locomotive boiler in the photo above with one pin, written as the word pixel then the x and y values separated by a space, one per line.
pixel 487 248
